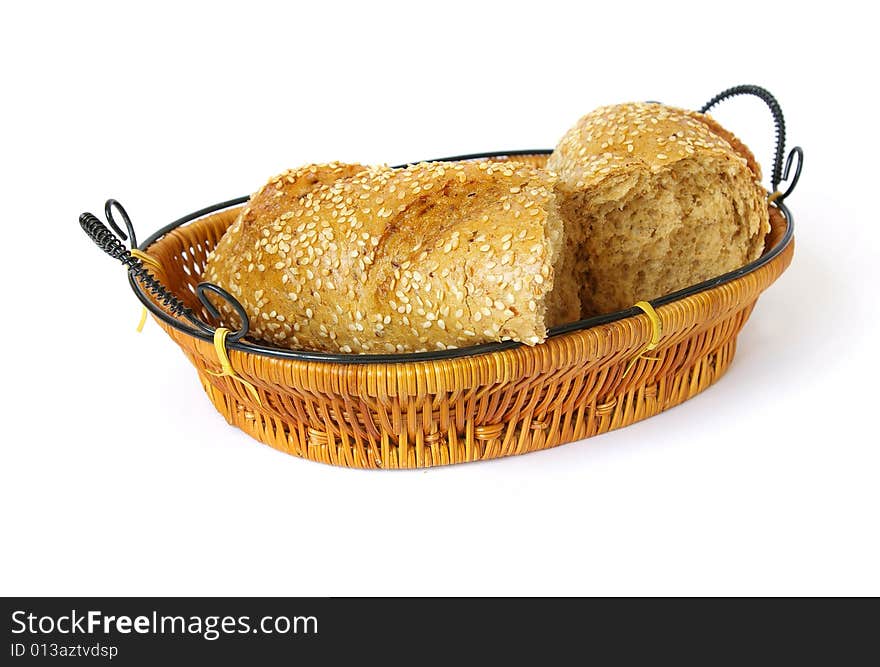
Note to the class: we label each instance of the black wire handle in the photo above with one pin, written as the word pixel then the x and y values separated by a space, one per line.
pixel 777 174
pixel 111 244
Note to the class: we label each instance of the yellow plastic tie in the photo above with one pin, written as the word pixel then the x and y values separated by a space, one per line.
pixel 226 369
pixel 656 332
pixel 143 321
pixel 154 264
pixel 773 197
pixel 149 260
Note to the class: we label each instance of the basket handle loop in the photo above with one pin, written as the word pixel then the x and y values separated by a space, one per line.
pixel 777 174
pixel 202 289
pixel 111 242
pixel 787 176
pixel 131 237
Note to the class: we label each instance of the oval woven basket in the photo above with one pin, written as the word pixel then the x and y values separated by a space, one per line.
pixel 474 404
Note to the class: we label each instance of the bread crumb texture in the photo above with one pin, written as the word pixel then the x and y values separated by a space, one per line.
pixel 353 259
pixel 655 199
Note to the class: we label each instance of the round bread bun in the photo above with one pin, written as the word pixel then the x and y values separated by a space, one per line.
pixel 342 258
pixel 655 199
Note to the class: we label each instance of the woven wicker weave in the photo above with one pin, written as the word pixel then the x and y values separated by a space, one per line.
pixel 427 413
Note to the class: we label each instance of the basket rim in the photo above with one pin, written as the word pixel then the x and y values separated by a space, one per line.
pixel 437 355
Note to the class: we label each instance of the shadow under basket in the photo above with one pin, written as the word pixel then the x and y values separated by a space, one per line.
pixel 483 403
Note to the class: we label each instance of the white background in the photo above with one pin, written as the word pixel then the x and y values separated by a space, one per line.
pixel 119 478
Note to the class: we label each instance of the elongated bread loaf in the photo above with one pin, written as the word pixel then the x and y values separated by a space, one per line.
pixel 655 199
pixel 343 258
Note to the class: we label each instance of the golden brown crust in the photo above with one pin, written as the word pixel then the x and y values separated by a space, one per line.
pixel 282 190
pixel 738 146
pixel 614 140
pixel 434 256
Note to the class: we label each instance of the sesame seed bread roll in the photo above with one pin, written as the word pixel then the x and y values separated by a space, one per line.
pixel 655 199
pixel 382 260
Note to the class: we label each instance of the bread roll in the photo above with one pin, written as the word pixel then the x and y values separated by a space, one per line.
pixel 435 256
pixel 655 199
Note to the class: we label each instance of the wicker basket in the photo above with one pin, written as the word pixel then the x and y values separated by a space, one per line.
pixel 481 403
